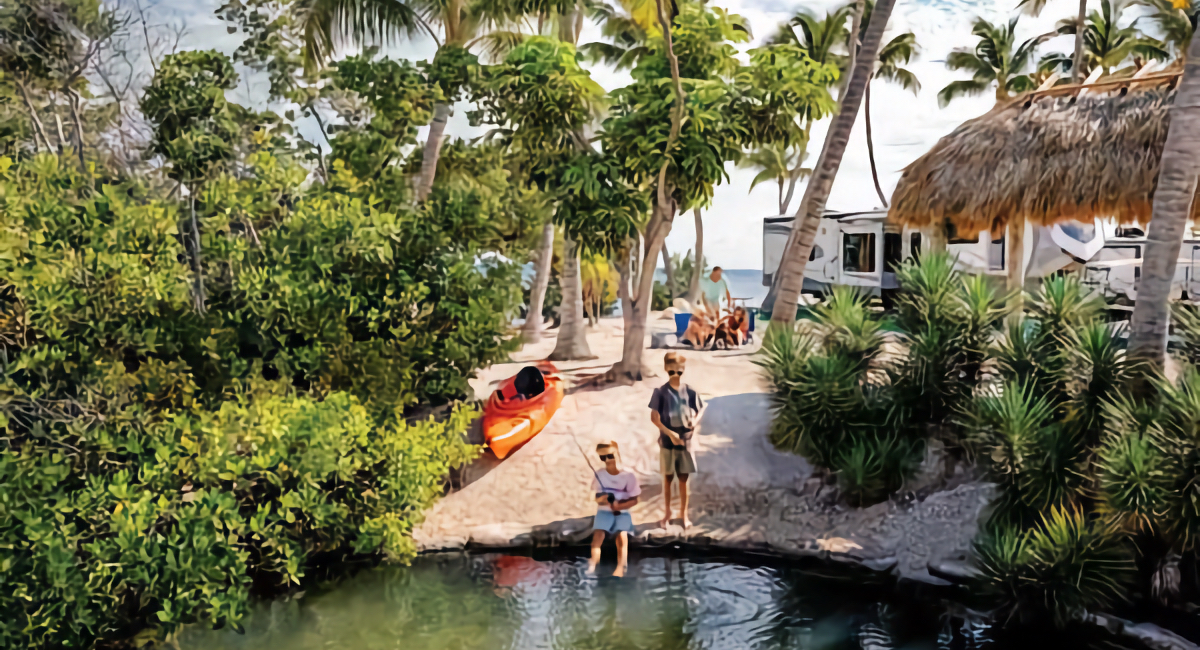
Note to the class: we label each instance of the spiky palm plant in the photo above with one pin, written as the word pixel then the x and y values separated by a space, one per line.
pixel 1095 373
pixel 1037 347
pixel 816 398
pixel 1181 445
pixel 1037 462
pixel 871 466
pixel 1186 320
pixel 1066 565
pixel 1133 477
pixel 1061 304
pixel 848 325
pixel 947 322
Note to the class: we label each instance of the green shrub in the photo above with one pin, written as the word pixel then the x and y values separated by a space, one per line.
pixel 1067 564
pixel 1133 477
pixel 156 460
pixel 1037 461
pixel 825 395
pixel 946 321
pixel 152 521
pixel 872 466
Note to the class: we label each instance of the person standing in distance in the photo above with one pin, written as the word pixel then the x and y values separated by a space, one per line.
pixel 675 410
pixel 713 288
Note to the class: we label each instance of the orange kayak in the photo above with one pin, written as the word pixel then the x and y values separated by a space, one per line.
pixel 521 407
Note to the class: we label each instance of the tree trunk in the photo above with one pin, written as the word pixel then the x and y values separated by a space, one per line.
pixel 871 143
pixel 39 129
pixel 791 269
pixel 1015 270
pixel 534 324
pixel 433 149
pixel 1172 206
pixel 78 122
pixel 1080 26
pixel 693 294
pixel 633 362
pixel 670 271
pixel 198 288
pixel 853 45
pixel 937 238
pixel 572 342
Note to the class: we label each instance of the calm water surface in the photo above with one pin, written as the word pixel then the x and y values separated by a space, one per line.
pixel 464 602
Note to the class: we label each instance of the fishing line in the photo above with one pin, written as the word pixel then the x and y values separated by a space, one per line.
pixel 588 460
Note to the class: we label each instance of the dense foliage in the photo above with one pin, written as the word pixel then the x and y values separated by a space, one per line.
pixel 157 462
pixel 848 404
pixel 1096 502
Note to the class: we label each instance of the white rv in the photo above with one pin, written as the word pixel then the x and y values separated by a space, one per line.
pixel 862 249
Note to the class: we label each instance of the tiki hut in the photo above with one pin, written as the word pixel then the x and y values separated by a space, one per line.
pixel 1045 157
pixel 1058 154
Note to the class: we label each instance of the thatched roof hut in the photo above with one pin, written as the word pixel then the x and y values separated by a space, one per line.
pixel 1050 156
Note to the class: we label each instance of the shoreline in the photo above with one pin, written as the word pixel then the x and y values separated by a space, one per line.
pixel 746 496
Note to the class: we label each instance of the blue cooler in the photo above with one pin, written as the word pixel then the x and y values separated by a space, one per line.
pixel 681 323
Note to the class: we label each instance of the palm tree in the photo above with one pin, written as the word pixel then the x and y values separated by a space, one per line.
pixel 1106 44
pixel 997 59
pixel 781 164
pixel 1172 206
pixel 791 268
pixel 895 53
pixel 823 38
pixel 1034 8
pixel 464 24
pixel 1176 20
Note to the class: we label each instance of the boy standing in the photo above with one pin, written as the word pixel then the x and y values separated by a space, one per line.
pixel 675 410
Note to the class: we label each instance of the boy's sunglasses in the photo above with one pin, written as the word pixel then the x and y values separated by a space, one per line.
pixel 607 456
pixel 674 372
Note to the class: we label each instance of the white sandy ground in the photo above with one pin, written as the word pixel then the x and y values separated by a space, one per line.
pixel 747 496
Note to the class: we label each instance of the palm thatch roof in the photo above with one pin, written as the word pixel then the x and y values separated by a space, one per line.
pixel 1052 156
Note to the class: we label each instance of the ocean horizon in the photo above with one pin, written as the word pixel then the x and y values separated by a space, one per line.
pixel 743 283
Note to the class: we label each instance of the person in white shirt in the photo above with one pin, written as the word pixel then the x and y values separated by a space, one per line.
pixel 616 492
pixel 713 288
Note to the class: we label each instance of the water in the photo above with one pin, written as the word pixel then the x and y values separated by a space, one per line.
pixel 492 602
pixel 743 283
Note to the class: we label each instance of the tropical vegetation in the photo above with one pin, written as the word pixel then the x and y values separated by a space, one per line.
pixel 1095 484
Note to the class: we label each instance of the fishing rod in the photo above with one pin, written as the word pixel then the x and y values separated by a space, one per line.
pixel 588 460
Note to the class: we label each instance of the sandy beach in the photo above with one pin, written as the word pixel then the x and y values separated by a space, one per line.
pixel 747 496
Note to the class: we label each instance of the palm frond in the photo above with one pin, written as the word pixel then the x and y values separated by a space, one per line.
pixel 329 24
pixel 961 88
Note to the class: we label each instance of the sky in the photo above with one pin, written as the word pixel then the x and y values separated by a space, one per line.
pixel 904 125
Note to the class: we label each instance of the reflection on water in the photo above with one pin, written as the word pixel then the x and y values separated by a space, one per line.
pixel 494 601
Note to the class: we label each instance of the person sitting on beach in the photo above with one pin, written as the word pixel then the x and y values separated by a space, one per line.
pixel 676 409
pixel 733 329
pixel 616 492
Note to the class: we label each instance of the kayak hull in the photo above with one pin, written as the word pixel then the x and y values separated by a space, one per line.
pixel 508 424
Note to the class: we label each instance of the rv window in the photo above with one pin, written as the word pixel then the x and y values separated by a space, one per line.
pixel 914 245
pixel 1123 231
pixel 953 238
pixel 893 251
pixel 816 253
pixel 858 252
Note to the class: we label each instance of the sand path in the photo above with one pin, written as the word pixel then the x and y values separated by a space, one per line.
pixel 747 496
